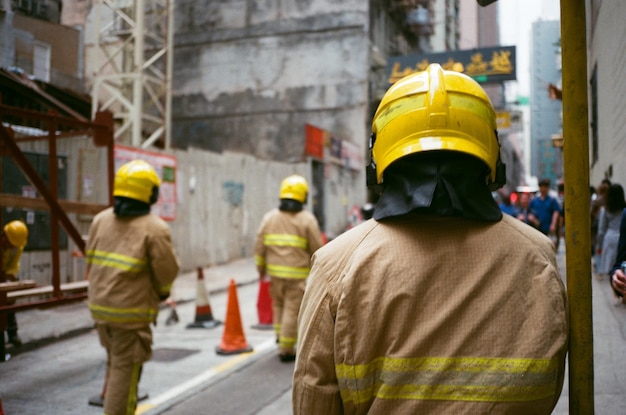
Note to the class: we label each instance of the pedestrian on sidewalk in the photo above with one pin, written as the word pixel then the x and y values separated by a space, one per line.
pixel 618 276
pixel 285 241
pixel 441 304
pixel 131 266
pixel 525 213
pixel 608 229
pixel 13 240
pixel 598 200
pixel 547 209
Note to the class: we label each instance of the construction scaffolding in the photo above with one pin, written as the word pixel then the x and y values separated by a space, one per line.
pixel 100 130
pixel 133 66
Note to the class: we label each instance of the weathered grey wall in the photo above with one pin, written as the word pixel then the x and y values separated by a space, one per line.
pixel 608 55
pixel 217 219
pixel 248 76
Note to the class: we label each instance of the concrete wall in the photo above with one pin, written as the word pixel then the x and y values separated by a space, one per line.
pixel 217 219
pixel 221 201
pixel 249 76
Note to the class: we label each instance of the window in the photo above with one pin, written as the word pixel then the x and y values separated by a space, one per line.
pixel 41 61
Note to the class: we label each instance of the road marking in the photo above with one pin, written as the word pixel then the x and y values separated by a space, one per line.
pixel 203 377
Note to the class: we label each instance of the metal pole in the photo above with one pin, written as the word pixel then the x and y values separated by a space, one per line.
pixel 53 183
pixel 577 200
pixel 169 70
pixel 136 113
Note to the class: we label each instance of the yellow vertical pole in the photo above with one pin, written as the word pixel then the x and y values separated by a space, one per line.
pixel 577 200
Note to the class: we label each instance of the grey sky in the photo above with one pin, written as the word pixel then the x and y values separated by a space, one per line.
pixel 516 18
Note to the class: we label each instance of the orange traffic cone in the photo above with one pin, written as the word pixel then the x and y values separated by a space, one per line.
pixel 264 306
pixel 324 238
pixel 204 315
pixel 233 339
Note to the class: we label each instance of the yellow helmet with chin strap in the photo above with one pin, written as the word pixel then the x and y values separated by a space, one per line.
pixel 16 232
pixel 435 110
pixel 137 180
pixel 294 187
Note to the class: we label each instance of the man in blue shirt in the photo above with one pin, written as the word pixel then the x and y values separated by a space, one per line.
pixel 506 206
pixel 547 208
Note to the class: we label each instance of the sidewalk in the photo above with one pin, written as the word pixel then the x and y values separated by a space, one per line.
pixel 42 326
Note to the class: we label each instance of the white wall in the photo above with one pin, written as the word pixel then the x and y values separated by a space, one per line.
pixel 221 200
pixel 607 50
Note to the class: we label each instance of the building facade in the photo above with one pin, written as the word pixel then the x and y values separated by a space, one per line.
pixel 261 92
pixel 546 118
pixel 250 79
pixel 606 72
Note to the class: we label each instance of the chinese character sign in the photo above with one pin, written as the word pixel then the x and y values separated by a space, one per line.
pixel 485 65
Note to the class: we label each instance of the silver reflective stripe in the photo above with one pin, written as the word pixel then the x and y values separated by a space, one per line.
pixel 449 378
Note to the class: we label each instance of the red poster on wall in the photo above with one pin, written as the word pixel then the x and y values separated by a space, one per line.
pixel 314 141
pixel 165 166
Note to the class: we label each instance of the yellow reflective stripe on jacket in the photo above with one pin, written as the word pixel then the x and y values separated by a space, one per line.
pixel 285 271
pixel 283 239
pixel 259 260
pixel 122 315
pixel 449 378
pixel 166 289
pixel 111 259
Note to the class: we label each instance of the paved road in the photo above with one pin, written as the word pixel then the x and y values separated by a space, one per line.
pixel 60 377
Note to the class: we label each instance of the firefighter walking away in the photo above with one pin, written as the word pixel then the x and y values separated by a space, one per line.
pixel 440 304
pixel 131 266
pixel 286 239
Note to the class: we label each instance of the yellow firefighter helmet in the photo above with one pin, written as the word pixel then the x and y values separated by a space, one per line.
pixel 294 187
pixel 137 180
pixel 17 233
pixel 435 110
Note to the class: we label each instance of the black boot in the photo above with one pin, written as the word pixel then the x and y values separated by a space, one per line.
pixel 14 339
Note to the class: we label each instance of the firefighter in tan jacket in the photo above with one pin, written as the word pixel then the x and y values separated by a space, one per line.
pixel 439 304
pixel 13 238
pixel 131 266
pixel 286 239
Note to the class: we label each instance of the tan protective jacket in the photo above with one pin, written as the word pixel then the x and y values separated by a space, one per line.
pixel 431 315
pixel 11 260
pixel 285 243
pixel 131 264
